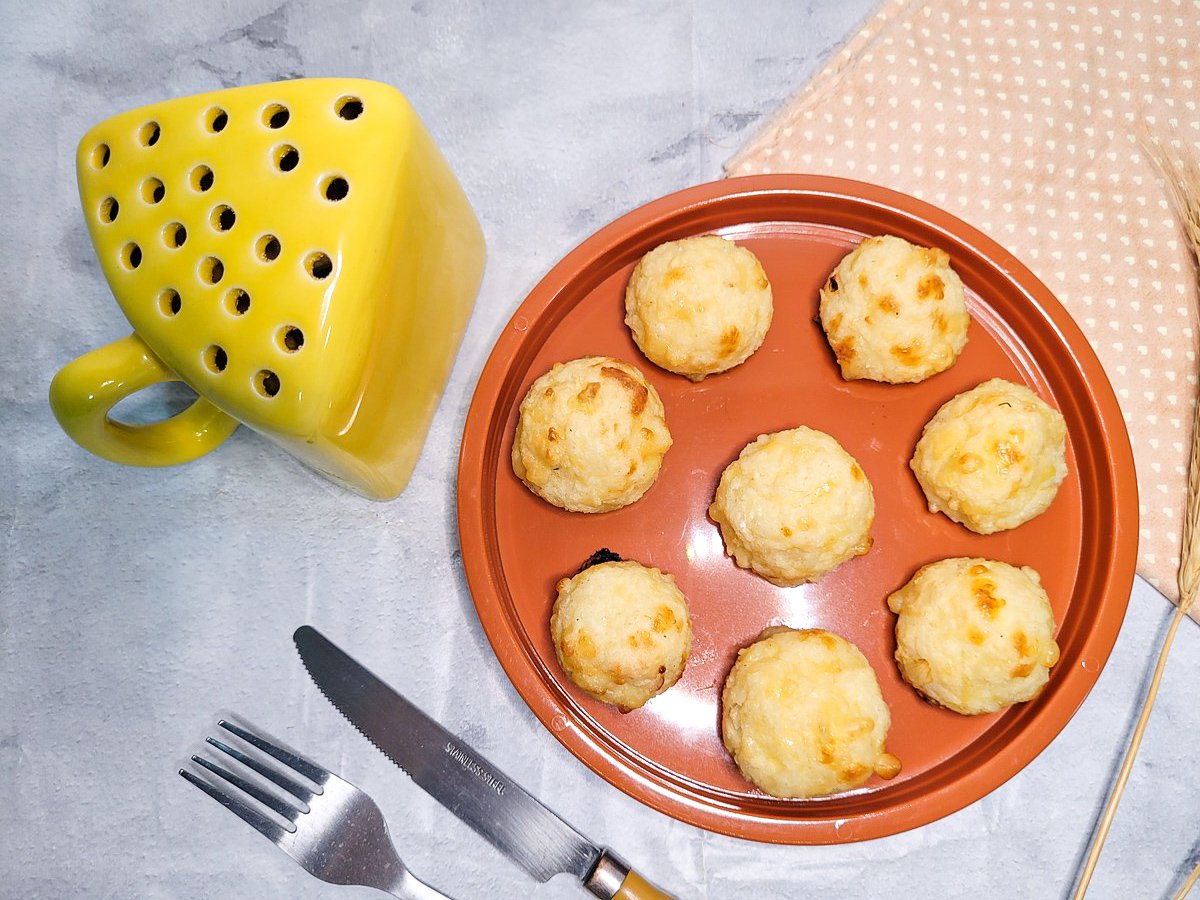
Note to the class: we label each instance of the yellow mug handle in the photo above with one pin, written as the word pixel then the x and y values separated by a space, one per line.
pixel 87 388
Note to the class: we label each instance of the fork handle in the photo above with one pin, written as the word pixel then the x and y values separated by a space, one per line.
pixel 409 887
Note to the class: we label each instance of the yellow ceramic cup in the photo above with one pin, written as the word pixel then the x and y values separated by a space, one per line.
pixel 299 253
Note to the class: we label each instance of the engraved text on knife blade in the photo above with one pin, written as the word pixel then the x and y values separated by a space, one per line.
pixel 463 759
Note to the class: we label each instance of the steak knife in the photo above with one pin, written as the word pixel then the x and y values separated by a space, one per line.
pixel 462 780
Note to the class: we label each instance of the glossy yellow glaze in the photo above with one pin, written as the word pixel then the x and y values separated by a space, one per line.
pixel 88 388
pixel 305 259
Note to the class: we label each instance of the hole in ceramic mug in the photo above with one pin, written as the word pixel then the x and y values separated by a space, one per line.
pixel 216 359
pixel 153 190
pixel 335 188
pixel 212 270
pixel 237 302
pixel 319 266
pixel 290 338
pixel 100 156
pixel 174 235
pixel 222 218
pixel 287 158
pixel 266 383
pixel 349 108
pixel 149 134
pixel 131 256
pixel 109 208
pixel 276 115
pixel 268 248
pixel 216 119
pixel 201 178
pixel 169 302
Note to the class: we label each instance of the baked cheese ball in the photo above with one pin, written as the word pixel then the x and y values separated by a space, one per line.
pixel 698 306
pixel 974 635
pixel 793 506
pixel 993 457
pixel 621 632
pixel 803 716
pixel 894 312
pixel 591 435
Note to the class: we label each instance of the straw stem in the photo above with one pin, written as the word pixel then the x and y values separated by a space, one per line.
pixel 1181 175
pixel 1189 884
pixel 1110 810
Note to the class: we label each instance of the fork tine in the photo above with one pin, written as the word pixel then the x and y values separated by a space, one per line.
pixel 340 837
pixel 298 791
pixel 285 809
pixel 305 767
pixel 272 830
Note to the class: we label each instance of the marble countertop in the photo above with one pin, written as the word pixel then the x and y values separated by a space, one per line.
pixel 136 604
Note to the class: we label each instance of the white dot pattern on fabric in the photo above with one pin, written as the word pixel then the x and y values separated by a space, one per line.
pixel 1019 117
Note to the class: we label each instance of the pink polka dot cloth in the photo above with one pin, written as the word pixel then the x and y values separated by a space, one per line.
pixel 1019 116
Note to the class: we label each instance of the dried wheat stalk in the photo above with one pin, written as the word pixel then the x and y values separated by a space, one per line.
pixel 1181 173
pixel 1188 884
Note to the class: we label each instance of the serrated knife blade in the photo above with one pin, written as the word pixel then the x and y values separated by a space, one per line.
pixel 462 780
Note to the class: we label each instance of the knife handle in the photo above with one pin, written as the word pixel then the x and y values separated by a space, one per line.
pixel 635 887
pixel 612 879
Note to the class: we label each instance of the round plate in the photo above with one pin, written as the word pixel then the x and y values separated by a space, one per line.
pixel 669 754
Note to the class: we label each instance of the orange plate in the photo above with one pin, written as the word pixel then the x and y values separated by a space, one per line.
pixel 669 753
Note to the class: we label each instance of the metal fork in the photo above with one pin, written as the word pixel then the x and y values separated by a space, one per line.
pixel 335 831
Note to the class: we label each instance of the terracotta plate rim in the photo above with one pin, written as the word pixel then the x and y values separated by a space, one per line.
pixel 653 783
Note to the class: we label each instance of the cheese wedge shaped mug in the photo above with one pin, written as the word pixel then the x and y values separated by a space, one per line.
pixel 299 253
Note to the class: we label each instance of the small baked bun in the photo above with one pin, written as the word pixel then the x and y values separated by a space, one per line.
pixel 793 506
pixel 621 632
pixel 894 312
pixel 591 435
pixel 803 715
pixel 974 635
pixel 993 457
pixel 698 306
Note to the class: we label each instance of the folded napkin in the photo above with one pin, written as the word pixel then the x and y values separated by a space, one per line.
pixel 1019 116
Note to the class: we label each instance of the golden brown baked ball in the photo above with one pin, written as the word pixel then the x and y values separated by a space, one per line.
pixel 621 632
pixel 803 715
pixel 698 306
pixel 793 506
pixel 894 312
pixel 974 635
pixel 993 457
pixel 591 435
